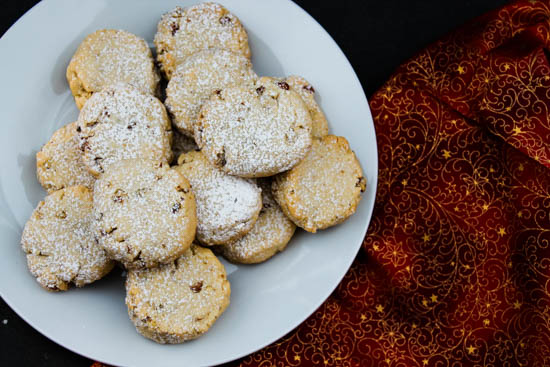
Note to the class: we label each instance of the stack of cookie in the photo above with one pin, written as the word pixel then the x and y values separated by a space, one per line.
pixel 251 160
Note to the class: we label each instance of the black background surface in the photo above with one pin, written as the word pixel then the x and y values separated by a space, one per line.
pixel 376 36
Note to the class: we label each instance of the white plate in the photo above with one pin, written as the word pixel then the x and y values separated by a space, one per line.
pixel 267 300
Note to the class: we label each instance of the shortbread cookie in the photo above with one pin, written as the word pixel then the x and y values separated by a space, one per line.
pixel 325 188
pixel 254 132
pixel 271 233
pixel 144 213
pixel 59 163
pixel 183 32
pixel 59 242
pixel 227 206
pixel 108 57
pixel 306 91
pixel 178 301
pixel 121 122
pixel 182 144
pixel 199 76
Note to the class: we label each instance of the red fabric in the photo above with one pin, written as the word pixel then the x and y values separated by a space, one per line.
pixel 455 267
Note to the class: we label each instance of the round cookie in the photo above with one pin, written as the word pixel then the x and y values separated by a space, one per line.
pixel 144 213
pixel 227 206
pixel 59 242
pixel 306 91
pixel 59 163
pixel 108 57
pixel 270 235
pixel 198 77
pixel 254 132
pixel 182 144
pixel 121 122
pixel 325 188
pixel 178 301
pixel 183 32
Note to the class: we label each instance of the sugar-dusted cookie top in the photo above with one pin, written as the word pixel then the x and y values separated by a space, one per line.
pixel 183 32
pixel 108 57
pixel 121 122
pixel 227 206
pixel 325 188
pixel 59 163
pixel 178 301
pixel 59 241
pixel 144 213
pixel 255 132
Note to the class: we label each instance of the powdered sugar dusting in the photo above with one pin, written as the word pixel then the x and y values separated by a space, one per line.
pixel 271 233
pixel 144 213
pixel 198 77
pixel 255 132
pixel 121 122
pixel 178 301
pixel 59 163
pixel 108 57
pixel 182 32
pixel 324 189
pixel 59 243
pixel 227 206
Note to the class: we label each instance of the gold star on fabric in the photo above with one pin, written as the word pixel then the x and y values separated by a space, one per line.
pixel 404 182
pixel 425 362
pixel 426 237
pixel 460 69
pixel 501 231
pixel 425 302
pixel 375 247
pixel 363 317
pixel 446 154
pixel 485 207
pixel 433 298
pixel 517 130
pixel 471 349
pixel 297 358
pixel 506 67
pixel 517 305
pixel 486 322
pixel 379 308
